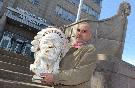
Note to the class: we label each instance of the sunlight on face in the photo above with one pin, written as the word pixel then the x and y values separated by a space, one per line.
pixel 83 32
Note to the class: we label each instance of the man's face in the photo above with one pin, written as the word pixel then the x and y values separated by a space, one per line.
pixel 83 33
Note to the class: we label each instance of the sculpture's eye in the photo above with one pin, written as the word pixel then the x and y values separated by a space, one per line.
pixel 50 46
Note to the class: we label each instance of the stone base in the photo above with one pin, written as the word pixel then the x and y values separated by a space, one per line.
pixel 117 74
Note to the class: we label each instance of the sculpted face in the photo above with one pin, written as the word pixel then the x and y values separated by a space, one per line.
pixel 124 9
pixel 83 32
pixel 49 47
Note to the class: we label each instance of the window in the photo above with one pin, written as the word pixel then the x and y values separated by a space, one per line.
pixel 74 2
pixel 66 15
pixel 15 43
pixel 87 9
pixel 1 4
pixel 35 2
pixel 59 10
pixel 97 2
pixel 5 42
pixel 27 49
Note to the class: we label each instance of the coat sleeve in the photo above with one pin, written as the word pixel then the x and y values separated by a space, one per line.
pixel 80 74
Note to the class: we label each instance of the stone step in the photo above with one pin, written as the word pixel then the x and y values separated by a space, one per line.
pixel 15 68
pixel 15 55
pixel 15 76
pixel 16 84
pixel 13 60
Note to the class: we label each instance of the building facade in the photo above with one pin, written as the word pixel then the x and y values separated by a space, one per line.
pixel 22 19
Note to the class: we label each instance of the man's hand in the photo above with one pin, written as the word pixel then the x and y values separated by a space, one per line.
pixel 47 79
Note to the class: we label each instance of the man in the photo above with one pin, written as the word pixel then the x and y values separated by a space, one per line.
pixel 77 67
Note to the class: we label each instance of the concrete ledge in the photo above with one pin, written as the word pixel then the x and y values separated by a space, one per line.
pixel 124 68
pixel 13 60
pixel 116 66
pixel 14 55
pixel 15 76
pixel 113 74
pixel 122 81
pixel 14 67
pixel 16 84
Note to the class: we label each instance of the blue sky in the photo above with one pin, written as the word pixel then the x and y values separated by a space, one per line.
pixel 109 8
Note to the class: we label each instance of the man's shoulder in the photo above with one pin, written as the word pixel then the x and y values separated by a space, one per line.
pixel 90 48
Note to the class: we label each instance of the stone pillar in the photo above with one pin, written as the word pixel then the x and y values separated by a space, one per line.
pixel 2 24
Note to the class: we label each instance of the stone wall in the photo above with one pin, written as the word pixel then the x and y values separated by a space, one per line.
pixel 113 74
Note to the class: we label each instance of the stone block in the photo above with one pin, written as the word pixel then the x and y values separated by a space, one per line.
pixel 14 60
pixel 14 55
pixel 124 68
pixel 16 84
pixel 122 81
pixel 15 68
pixel 15 76
pixel 113 74
pixel 109 47
pixel 119 81
pixel 131 83
pixel 101 80
pixel 113 28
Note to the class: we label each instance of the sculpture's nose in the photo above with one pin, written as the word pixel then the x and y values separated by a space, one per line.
pixel 46 51
pixel 32 67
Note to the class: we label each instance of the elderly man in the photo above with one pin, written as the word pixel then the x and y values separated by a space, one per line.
pixel 77 67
